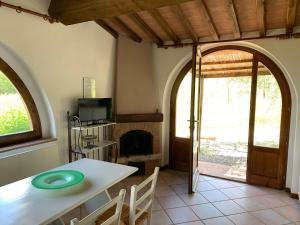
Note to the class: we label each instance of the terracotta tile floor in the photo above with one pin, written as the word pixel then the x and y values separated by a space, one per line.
pixel 216 202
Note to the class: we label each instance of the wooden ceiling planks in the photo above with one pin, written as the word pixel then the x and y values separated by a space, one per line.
pixel 297 20
pixel 291 16
pixel 232 11
pixel 173 21
pixel 203 10
pixel 155 13
pixel 261 17
pixel 276 14
pixel 220 16
pixel 134 26
pixel 246 13
pixel 184 21
pixel 146 29
pixel 197 20
pixel 148 19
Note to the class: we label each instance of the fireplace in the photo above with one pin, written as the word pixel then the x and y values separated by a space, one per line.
pixel 136 142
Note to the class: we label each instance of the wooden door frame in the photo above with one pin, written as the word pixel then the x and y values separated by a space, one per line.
pixel 284 89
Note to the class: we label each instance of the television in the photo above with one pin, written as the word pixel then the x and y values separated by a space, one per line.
pixel 95 110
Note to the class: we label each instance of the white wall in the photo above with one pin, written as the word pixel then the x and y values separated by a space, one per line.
pixel 53 58
pixel 284 52
pixel 136 91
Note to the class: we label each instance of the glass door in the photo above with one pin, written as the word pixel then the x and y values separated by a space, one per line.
pixel 195 118
pixel 268 133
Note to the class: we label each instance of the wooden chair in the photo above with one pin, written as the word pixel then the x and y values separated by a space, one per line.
pixel 140 208
pixel 105 219
pixel 132 214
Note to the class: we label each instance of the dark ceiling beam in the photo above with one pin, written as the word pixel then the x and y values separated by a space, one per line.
pixel 118 22
pixel 164 25
pixel 185 23
pixel 291 16
pixel 146 29
pixel 233 15
pixel 75 11
pixel 260 8
pixel 208 18
pixel 106 27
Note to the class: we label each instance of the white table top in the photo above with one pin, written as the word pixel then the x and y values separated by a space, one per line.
pixel 23 204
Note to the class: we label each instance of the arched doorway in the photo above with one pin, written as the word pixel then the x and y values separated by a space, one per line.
pixel 259 115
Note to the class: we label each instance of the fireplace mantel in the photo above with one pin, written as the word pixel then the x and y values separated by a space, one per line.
pixel 139 118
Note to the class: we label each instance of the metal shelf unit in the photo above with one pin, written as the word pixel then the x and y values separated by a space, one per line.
pixel 100 146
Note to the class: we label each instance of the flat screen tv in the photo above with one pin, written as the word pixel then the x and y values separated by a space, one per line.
pixel 95 109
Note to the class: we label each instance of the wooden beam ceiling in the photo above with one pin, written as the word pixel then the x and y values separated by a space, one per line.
pixel 106 27
pixel 75 11
pixel 185 23
pixel 208 19
pixel 164 25
pixel 291 16
pixel 195 21
pixel 233 15
pixel 260 7
pixel 147 30
pixel 118 22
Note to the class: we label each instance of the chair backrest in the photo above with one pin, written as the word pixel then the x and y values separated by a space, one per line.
pixel 147 198
pixel 114 219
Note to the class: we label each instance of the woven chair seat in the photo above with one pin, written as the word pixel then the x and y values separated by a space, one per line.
pixel 124 216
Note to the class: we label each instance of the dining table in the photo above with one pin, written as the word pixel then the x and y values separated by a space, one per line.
pixel 23 204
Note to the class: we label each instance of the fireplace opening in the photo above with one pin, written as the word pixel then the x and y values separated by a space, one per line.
pixel 136 142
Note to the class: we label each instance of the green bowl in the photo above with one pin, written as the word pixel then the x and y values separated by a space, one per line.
pixel 57 179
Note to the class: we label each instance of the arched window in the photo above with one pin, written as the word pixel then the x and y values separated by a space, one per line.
pixel 19 118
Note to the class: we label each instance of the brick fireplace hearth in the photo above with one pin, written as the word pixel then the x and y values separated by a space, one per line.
pixel 151 123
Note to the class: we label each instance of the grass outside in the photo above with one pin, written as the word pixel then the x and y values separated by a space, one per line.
pixel 14 117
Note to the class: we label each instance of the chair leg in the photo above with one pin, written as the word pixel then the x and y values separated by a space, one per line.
pixel 149 217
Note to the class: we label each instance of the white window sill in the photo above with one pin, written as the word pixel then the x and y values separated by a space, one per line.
pixel 10 151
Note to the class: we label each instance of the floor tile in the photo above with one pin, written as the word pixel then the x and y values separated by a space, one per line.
pixel 168 202
pixel 174 180
pixel 214 195
pixel 244 219
pixel 221 183
pixel 208 178
pixel 156 205
pixel 181 215
pixel 252 190
pixel 233 193
pixel 270 202
pixel 193 199
pixel 160 218
pixel 289 212
pixel 284 197
pixel 250 204
pixel 206 211
pixel 205 186
pixel 228 207
pixel 269 217
pixel 180 188
pixel 218 221
pixel 164 191
pixel 192 223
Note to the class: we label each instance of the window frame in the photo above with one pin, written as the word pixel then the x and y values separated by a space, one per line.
pixel 36 133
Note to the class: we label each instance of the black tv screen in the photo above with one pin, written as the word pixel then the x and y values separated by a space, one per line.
pixel 94 109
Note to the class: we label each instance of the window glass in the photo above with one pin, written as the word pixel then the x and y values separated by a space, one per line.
pixel 183 104
pixel 14 116
pixel 267 110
